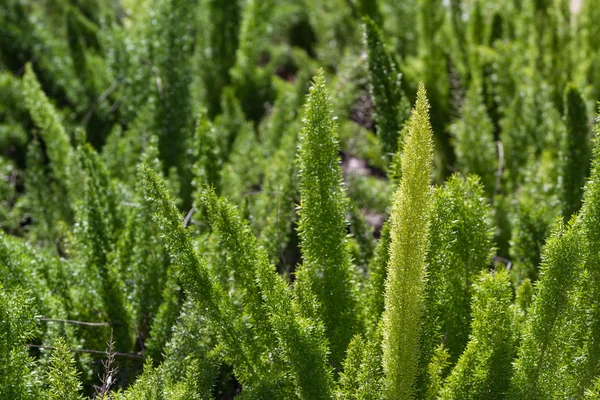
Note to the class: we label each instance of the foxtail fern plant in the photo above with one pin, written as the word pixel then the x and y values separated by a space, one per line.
pixel 63 377
pixel 193 271
pixel 174 39
pixel 473 136
pixel 303 348
pixel 391 107
pixel 375 287
pixel 590 216
pixel 17 380
pixel 326 269
pixel 51 128
pixel 548 328
pixel 575 152
pixel 407 270
pixel 459 211
pixel 485 367
pixel 96 233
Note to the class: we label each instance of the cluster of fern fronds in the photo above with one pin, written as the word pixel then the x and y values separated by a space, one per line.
pixel 316 199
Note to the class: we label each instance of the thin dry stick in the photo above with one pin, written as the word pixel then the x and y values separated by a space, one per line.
pixel 109 372
pixel 32 60
pixel 70 321
pixel 99 101
pixel 104 353
pixel 156 72
pixel 277 228
pixel 188 217
pixel 503 260
pixel 500 166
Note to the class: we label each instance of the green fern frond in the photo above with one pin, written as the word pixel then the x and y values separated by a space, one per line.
pixel 96 231
pixel 326 269
pixel 473 138
pixel 198 283
pixel 575 152
pixel 362 378
pixel 63 378
pixel 590 217
pixel 391 107
pixel 460 247
pixel 17 326
pixel 376 278
pixel 302 341
pixel 550 323
pixel 407 270
pixel 485 368
pixel 52 130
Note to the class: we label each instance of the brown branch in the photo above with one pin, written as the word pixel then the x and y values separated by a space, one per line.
pixel 504 261
pixel 500 166
pixel 104 353
pixel 114 107
pixel 108 378
pixel 188 217
pixel 277 228
pixel 129 204
pixel 70 321
pixel 32 60
pixel 99 101
pixel 156 72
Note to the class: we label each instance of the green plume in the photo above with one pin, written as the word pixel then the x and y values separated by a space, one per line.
pixel 303 347
pixel 277 200
pixel 141 258
pixel 550 321
pixel 375 286
pixel 436 371
pixel 473 138
pixel 593 393
pixel 484 369
pixel 460 247
pixel 97 217
pixel 161 328
pixel 63 377
pixel 241 253
pixel 535 207
pixel 391 107
pixel 242 348
pixel 362 378
pixel 17 380
pixel 326 270
pixel 219 40
pixel 407 271
pixel 51 128
pixel 590 218
pixel 575 152
pixel 173 40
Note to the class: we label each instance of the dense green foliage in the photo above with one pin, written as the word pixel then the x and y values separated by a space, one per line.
pixel 362 199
